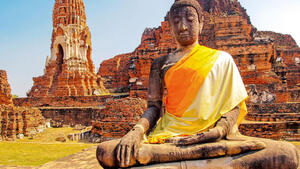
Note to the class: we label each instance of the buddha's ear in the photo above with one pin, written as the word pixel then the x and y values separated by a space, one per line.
pixel 201 23
pixel 171 28
pixel 200 27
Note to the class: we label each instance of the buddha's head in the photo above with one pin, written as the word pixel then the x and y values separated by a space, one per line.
pixel 186 21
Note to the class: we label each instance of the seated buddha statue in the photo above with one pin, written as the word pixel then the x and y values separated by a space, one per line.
pixel 196 100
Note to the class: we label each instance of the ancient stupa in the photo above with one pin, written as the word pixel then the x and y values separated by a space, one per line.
pixel 70 69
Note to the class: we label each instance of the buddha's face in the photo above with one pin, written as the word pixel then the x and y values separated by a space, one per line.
pixel 185 25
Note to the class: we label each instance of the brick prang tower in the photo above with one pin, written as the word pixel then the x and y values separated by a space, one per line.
pixel 70 69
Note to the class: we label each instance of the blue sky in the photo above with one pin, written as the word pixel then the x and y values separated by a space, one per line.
pixel 116 27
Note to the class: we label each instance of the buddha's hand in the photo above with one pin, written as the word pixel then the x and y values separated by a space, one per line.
pixel 128 147
pixel 211 135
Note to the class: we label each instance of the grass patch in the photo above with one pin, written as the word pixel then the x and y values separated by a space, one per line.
pixel 33 154
pixel 40 149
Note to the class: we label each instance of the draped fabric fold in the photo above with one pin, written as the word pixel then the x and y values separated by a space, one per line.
pixel 201 87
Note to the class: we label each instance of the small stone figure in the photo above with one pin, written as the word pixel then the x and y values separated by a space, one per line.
pixel 203 104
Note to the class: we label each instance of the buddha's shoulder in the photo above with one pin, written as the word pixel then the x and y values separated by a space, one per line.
pixel 225 57
pixel 224 54
pixel 160 61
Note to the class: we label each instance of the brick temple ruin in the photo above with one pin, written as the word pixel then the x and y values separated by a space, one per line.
pixel 269 63
pixel 70 92
pixel 16 122
pixel 70 70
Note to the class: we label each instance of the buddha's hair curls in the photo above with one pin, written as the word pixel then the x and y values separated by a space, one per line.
pixel 181 3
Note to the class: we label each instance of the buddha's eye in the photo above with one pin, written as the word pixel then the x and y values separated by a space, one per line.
pixel 190 18
pixel 176 20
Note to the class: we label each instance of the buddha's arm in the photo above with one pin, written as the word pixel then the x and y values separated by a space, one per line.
pixel 130 143
pixel 224 126
pixel 155 92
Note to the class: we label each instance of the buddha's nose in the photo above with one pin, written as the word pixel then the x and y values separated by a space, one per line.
pixel 183 26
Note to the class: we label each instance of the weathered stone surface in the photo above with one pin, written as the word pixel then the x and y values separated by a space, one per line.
pixel 118 117
pixel 115 73
pixel 224 8
pixel 16 121
pixel 5 91
pixel 114 118
pixel 289 70
pixel 71 116
pixel 274 121
pixel 70 70
pixel 285 130
pixel 283 40
pixel 66 101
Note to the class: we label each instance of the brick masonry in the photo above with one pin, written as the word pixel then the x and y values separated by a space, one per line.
pixel 70 70
pixel 16 122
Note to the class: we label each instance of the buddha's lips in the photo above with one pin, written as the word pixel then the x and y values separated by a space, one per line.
pixel 184 36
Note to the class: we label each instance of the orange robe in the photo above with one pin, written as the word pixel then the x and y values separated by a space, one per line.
pixel 201 87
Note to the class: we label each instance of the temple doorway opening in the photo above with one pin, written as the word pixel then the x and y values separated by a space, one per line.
pixel 60 58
